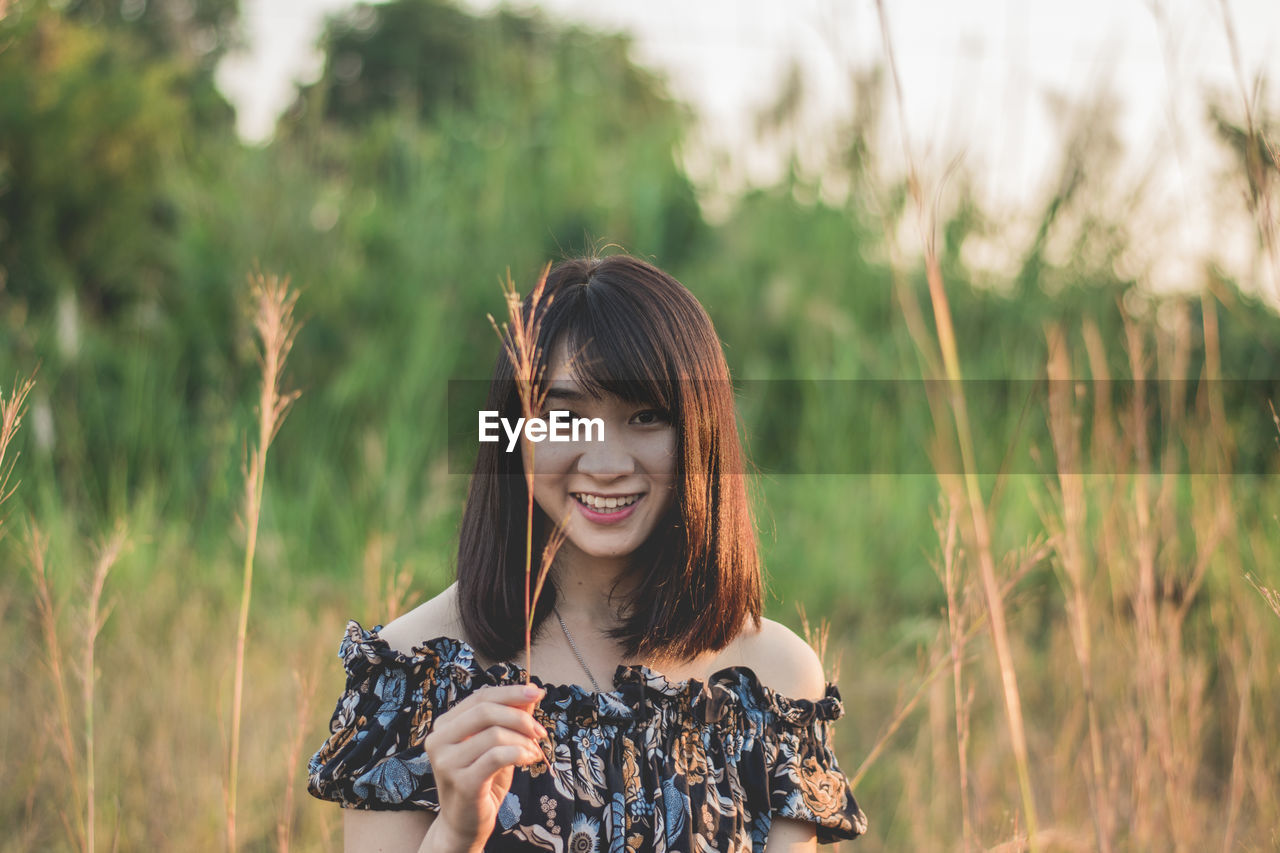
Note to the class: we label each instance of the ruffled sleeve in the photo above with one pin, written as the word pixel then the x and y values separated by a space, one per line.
pixel 374 757
pixel 805 781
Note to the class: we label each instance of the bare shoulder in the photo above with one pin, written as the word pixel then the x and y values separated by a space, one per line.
pixel 783 661
pixel 437 617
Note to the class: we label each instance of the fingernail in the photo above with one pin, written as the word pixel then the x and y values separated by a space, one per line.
pixel 532 692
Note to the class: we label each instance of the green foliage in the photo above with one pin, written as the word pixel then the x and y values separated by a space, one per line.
pixel 81 204
pixel 438 149
pixel 196 31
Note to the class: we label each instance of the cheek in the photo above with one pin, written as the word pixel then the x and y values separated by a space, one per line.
pixel 660 456
pixel 548 459
pixel 662 469
pixel 669 465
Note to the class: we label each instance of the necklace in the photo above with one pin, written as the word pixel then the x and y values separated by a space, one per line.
pixel 574 646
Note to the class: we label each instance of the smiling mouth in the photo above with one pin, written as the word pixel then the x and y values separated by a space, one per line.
pixel 598 503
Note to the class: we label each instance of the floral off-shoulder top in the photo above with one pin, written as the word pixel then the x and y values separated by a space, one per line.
pixel 652 765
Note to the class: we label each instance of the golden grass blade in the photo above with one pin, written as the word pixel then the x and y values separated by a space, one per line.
pixel 1269 595
pixel 108 553
pixel 273 303
pixel 554 541
pixel 36 547
pixel 1260 201
pixel 519 337
pixel 1069 544
pixel 12 408
pixel 306 693
pixel 975 503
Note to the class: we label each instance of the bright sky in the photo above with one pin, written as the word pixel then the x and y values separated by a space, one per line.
pixel 980 81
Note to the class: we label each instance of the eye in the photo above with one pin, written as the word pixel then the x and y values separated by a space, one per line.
pixel 651 417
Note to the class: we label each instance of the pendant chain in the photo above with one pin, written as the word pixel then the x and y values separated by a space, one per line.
pixel 574 646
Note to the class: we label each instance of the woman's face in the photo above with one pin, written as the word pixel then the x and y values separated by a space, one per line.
pixel 610 493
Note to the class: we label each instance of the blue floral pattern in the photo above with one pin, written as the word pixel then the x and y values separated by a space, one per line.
pixel 654 765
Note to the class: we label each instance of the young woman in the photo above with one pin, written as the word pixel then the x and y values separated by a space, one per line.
pixel 713 733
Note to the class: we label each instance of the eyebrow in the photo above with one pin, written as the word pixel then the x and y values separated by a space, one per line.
pixel 566 392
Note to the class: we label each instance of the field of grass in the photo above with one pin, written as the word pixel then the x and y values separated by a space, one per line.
pixel 1141 649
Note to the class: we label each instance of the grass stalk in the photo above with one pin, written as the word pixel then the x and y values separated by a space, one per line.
pixel 306 693
pixel 273 302
pixel 12 409
pixel 902 710
pixel 1154 674
pixel 1257 150
pixel 975 503
pixel 96 618
pixel 64 736
pixel 519 335
pixel 819 639
pixel 982 541
pixel 1243 666
pixel 1269 595
pixel 1069 543
pixel 956 642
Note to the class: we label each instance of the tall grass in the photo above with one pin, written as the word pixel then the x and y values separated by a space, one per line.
pixel 1261 159
pixel 519 335
pixel 1067 530
pixel 1145 658
pixel 273 302
pixel 974 502
pixel 63 728
pixel 76 751
pixel 11 411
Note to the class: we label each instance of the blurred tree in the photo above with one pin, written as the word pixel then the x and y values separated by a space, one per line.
pixel 190 36
pixel 599 133
pixel 197 32
pixel 87 127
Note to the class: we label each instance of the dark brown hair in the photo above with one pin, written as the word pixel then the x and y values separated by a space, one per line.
pixel 636 333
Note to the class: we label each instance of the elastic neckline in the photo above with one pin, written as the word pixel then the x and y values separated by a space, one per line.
pixel 719 685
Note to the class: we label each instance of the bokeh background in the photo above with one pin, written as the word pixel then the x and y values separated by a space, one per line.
pixel 1058 632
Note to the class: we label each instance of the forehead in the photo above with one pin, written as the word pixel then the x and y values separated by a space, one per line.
pixel 559 366
pixel 568 365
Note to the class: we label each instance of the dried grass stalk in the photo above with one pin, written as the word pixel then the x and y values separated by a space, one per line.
pixel 273 303
pixel 975 504
pixel 12 409
pixel 63 731
pixel 520 334
pixel 96 617
pixel 306 693
pixel 1068 538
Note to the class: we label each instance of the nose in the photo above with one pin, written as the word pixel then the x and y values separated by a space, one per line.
pixel 609 459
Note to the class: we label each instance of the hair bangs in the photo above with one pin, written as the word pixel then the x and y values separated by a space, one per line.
pixel 612 347
pixel 602 364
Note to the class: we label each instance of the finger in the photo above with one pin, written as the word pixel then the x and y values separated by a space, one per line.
pixel 522 696
pixel 497 759
pixel 454 728
pixel 464 754
pixel 476 712
pixel 507 694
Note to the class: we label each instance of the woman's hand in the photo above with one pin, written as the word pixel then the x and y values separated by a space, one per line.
pixel 474 748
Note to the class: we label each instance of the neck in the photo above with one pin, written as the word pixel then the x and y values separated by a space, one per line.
pixel 591 590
